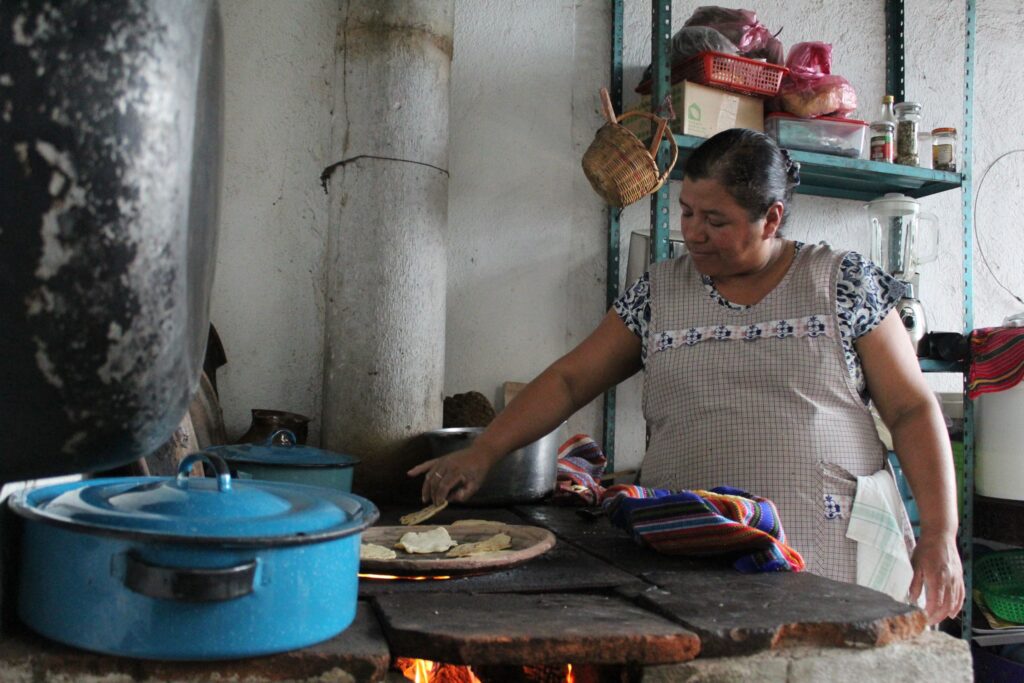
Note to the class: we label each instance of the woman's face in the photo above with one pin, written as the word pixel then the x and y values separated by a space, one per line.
pixel 720 237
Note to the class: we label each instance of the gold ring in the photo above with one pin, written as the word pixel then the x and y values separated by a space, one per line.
pixel 438 474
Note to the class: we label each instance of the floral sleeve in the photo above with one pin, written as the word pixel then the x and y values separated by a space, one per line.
pixel 634 308
pixel 866 294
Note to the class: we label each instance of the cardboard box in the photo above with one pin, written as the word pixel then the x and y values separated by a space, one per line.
pixel 702 111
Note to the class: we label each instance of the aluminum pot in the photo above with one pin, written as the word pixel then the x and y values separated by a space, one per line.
pixel 523 476
pixel 189 568
pixel 281 458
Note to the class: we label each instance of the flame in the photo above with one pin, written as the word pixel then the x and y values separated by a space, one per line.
pixel 389 577
pixel 426 671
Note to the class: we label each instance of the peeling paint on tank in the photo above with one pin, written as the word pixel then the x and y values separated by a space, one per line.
pixel 71 446
pixel 46 366
pixel 102 217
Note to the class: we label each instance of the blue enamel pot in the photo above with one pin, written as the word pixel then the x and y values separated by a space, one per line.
pixel 282 458
pixel 189 568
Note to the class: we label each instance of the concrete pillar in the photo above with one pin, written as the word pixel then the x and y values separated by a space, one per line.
pixel 386 268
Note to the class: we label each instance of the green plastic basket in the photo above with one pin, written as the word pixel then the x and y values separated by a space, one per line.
pixel 1000 578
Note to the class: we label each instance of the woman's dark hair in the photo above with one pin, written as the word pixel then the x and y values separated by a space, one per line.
pixel 750 166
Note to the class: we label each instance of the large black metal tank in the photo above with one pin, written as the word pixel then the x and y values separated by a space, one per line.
pixel 110 130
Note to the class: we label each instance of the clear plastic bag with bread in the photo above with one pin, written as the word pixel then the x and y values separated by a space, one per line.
pixel 810 88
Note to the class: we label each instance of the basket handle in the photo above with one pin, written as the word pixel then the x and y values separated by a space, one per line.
pixel 606 106
pixel 654 147
pixel 658 135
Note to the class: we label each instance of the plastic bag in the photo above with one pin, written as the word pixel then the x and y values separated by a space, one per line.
pixel 741 26
pixel 810 58
pixel 810 88
pixel 689 42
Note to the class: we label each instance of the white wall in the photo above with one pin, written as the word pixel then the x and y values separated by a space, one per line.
pixel 527 235
pixel 269 284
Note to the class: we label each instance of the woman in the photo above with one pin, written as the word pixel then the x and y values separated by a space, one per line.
pixel 760 356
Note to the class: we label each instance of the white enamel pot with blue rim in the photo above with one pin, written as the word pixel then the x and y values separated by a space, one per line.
pixel 189 567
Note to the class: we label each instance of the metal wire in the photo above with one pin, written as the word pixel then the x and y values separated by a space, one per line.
pixel 977 235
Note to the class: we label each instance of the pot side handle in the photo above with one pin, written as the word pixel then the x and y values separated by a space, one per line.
pixel 188 584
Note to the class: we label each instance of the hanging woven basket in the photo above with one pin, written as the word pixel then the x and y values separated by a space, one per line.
pixel 620 168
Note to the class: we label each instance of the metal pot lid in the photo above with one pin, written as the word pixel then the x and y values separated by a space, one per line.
pixel 281 448
pixel 197 509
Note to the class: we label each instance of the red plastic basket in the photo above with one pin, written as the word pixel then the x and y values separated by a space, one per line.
pixel 729 72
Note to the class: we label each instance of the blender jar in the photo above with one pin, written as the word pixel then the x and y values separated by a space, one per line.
pixel 899 243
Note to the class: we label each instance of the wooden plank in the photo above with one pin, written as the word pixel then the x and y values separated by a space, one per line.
pixel 739 614
pixel 530 629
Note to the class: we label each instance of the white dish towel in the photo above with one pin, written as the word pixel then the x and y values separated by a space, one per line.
pixel 883 558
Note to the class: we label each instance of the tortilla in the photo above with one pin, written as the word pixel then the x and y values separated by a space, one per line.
pixel 433 541
pixel 488 545
pixel 372 551
pixel 423 515
pixel 477 522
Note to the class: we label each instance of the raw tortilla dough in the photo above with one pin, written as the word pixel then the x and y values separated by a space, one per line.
pixel 433 541
pixel 488 545
pixel 372 551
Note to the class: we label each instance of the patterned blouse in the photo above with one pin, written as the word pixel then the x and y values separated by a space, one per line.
pixel 865 295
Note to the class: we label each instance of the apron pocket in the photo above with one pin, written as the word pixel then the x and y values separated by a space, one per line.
pixel 835 556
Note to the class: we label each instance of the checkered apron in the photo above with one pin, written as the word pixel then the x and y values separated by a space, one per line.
pixel 761 399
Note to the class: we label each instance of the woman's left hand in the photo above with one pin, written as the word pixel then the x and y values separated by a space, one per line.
pixel 937 570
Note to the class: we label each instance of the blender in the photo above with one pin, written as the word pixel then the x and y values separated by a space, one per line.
pixel 900 242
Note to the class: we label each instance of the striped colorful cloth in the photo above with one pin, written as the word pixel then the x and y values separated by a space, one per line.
pixel 581 463
pixel 997 360
pixel 722 521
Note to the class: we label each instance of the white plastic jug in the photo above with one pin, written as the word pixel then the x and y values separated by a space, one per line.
pixel 999 444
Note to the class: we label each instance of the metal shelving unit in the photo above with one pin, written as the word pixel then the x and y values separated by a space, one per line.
pixel 826 176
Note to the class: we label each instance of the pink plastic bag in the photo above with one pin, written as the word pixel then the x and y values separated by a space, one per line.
pixel 740 26
pixel 810 89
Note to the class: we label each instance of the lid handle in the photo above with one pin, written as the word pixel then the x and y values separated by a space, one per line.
pixel 282 437
pixel 215 461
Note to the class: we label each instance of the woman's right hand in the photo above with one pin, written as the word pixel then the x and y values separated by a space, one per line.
pixel 455 476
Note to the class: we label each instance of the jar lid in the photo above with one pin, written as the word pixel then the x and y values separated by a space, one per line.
pixel 200 510
pixel 908 107
pixel 895 204
pixel 943 131
pixel 888 125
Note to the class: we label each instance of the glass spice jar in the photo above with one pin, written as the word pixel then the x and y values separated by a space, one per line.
pixel 944 149
pixel 908 120
pixel 882 141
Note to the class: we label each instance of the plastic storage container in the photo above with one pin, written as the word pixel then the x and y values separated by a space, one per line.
pixel 998 444
pixel 825 134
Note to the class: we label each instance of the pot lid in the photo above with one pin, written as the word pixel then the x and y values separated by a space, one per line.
pixel 197 509
pixel 281 448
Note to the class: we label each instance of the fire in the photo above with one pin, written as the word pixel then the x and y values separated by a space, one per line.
pixel 389 577
pixel 426 671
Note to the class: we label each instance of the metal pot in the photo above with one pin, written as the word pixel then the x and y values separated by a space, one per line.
pixel 280 458
pixel 523 476
pixel 189 568
pixel 110 160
